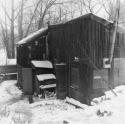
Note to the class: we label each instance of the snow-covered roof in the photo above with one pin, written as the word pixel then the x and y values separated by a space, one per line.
pixel 43 77
pixel 42 64
pixel 33 36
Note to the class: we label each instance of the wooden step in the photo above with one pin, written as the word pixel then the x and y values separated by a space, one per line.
pixel 47 86
pixel 45 82
pixel 5 69
pixel 43 77
pixel 42 64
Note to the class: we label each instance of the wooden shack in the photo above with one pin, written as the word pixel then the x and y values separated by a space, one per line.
pixel 82 44
pixel 78 50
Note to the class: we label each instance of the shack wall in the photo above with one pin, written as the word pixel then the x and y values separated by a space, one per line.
pixel 34 50
pixel 84 40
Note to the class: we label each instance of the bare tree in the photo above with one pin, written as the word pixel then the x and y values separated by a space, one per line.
pixel 45 6
pixel 110 9
pixel 88 6
pixel 5 39
pixel 20 20
pixel 32 17
pixel 11 19
pixel 4 30
pixel 11 44
pixel 42 12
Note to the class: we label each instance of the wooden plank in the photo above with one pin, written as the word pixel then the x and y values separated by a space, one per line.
pixel 27 81
pixel 75 103
pixel 47 86
pixel 8 69
pixel 42 64
pixel 43 77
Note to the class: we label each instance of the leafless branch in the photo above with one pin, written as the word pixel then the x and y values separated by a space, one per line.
pixel 4 8
pixel 32 18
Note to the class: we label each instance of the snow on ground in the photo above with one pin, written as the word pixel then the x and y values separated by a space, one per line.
pixel 2 57
pixel 15 108
pixel 4 60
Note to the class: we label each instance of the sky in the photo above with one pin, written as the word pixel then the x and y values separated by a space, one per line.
pixel 16 3
pixel 7 4
pixel 101 12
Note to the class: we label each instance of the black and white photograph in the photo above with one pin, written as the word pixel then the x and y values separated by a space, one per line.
pixel 62 62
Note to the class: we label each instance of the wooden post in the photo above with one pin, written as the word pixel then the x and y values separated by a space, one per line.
pixel 115 26
pixel 12 47
pixel 111 74
pixel 47 47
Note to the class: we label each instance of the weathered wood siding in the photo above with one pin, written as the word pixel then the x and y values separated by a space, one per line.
pixel 84 38
pixel 87 39
pixel 119 51
pixel 119 71
pixel 31 51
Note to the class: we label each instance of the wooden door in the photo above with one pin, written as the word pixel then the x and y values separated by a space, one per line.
pixel 80 84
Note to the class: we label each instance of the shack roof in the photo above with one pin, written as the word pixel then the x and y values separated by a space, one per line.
pixel 86 16
pixel 33 36
pixel 44 31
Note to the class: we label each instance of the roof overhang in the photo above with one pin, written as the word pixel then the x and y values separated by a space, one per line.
pixel 33 36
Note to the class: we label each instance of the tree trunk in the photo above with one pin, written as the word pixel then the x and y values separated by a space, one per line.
pixel 11 45
pixel 20 21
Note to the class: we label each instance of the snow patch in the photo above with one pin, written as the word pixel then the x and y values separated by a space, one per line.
pixel 42 64
pixel 14 109
pixel 43 77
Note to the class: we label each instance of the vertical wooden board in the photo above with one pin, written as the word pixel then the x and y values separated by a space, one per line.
pixel 81 39
pixel 19 76
pixel 27 81
pixel 106 42
pixel 18 54
pixel 121 40
pixel 96 44
pixel 100 46
pixel 99 50
pixel 77 95
pixel 122 52
pixel 89 39
pixel 25 57
pixel 36 85
pixel 111 74
pixel 61 76
pixel 86 76
pixel 98 83
pixel 76 85
pixel 93 41
pixel 124 40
